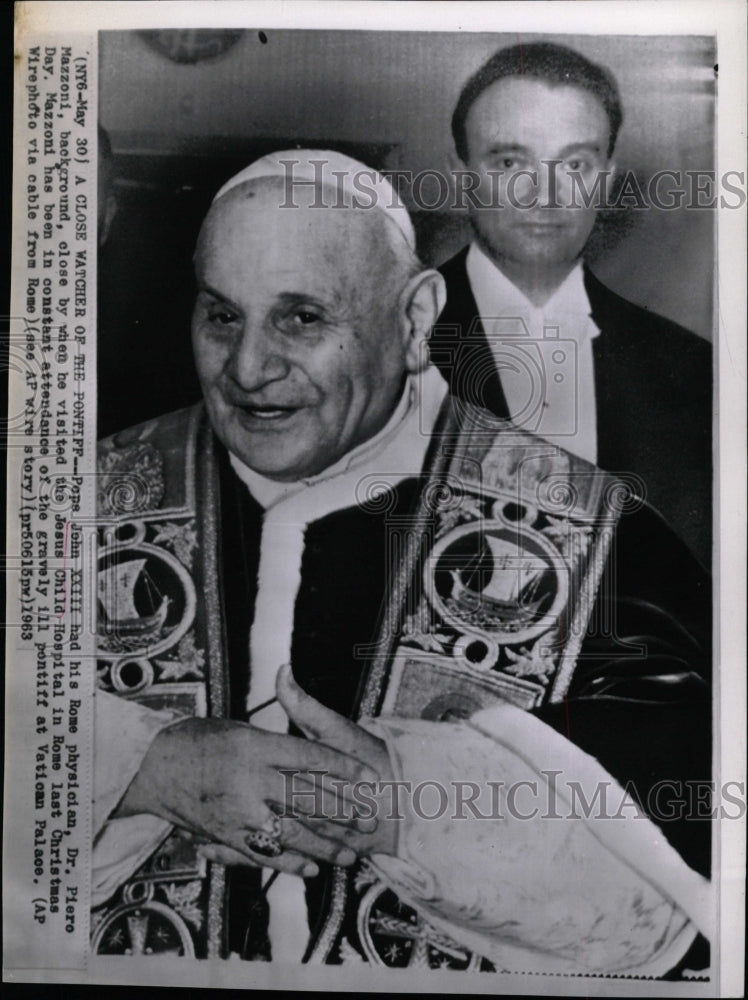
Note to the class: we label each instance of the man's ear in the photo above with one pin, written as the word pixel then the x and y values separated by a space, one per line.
pixel 421 301
pixel 455 163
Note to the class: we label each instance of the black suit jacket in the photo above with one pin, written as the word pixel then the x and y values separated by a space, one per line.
pixel 653 385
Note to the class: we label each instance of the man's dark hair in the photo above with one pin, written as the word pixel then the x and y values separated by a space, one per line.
pixel 553 64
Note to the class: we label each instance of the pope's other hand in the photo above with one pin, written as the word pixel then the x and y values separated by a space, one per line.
pixel 222 780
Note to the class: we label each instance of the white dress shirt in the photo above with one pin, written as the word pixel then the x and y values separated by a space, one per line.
pixel 543 354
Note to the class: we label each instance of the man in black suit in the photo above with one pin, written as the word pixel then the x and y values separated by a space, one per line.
pixel 528 331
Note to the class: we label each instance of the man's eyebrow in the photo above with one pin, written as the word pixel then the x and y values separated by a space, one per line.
pixel 497 145
pixel 579 147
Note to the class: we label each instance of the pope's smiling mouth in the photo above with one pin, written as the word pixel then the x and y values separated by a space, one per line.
pixel 267 414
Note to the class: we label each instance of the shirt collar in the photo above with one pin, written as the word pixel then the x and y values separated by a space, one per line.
pixel 497 296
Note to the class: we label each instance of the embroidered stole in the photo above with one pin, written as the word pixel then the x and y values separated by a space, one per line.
pixel 493 577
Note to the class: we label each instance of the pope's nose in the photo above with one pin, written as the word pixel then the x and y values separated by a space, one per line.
pixel 257 360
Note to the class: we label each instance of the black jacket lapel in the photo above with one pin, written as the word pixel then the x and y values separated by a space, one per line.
pixel 459 346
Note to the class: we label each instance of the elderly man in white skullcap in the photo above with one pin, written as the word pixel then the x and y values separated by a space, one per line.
pixel 306 535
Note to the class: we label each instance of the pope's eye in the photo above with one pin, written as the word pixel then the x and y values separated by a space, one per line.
pixel 221 317
pixel 306 317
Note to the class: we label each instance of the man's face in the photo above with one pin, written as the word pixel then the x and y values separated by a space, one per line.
pixel 515 125
pixel 296 330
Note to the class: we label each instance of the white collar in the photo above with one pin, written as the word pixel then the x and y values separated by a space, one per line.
pixel 496 296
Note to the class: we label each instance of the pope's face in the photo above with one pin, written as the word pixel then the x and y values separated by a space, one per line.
pixel 519 125
pixel 297 334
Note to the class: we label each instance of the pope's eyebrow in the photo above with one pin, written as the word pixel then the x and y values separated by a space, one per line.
pixel 334 304
pixel 291 299
pixel 217 295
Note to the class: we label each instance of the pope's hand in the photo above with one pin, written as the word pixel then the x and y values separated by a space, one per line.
pixel 222 780
pixel 324 726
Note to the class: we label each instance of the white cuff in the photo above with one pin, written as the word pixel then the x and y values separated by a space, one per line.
pixel 123 732
pixel 529 892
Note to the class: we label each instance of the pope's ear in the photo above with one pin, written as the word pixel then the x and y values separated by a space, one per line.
pixel 422 301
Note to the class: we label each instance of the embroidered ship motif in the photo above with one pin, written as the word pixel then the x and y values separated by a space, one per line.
pixel 509 598
pixel 126 630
